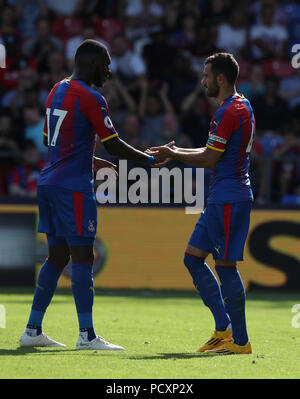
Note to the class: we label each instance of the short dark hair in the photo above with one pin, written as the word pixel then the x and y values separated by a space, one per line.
pixel 89 48
pixel 224 63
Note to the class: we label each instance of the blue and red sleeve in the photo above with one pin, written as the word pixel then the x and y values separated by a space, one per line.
pixel 95 108
pixel 222 125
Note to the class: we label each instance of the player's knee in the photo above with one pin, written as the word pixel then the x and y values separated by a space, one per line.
pixel 84 254
pixel 194 255
pixel 228 263
pixel 90 257
pixel 193 263
pixel 59 262
pixel 59 256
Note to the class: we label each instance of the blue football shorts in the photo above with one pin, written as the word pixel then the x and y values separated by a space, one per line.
pixel 222 230
pixel 67 217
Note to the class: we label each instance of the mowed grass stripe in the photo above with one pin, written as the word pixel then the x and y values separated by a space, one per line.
pixel 161 332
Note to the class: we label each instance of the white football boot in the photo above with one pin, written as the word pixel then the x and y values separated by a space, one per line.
pixel 41 340
pixel 97 343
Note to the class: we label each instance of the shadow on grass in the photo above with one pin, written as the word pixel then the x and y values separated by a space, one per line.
pixel 266 293
pixel 23 351
pixel 176 356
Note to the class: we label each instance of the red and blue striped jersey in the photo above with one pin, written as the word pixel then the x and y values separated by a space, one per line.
pixel 75 113
pixel 232 131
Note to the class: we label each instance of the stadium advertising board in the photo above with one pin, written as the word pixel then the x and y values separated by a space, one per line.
pixel 17 245
pixel 143 248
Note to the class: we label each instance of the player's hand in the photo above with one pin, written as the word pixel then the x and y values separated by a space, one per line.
pixel 103 163
pixel 171 144
pixel 160 158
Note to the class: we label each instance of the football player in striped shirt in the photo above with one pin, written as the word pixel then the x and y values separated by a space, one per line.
pixel 75 115
pixel 223 225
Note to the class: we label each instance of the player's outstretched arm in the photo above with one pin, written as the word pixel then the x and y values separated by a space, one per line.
pixel 122 150
pixel 202 157
pixel 171 144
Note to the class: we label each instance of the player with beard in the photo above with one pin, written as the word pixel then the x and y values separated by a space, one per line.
pixel 75 114
pixel 223 225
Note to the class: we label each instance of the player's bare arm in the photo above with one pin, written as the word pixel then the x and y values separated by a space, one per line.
pixel 171 144
pixel 202 157
pixel 120 149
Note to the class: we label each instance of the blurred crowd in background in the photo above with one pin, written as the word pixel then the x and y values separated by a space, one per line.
pixel 158 48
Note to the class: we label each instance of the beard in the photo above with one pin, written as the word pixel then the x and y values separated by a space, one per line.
pixel 213 90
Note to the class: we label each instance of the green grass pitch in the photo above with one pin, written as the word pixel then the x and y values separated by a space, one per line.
pixel 161 332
